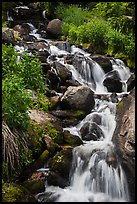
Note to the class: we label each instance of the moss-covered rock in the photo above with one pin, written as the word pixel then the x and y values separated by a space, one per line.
pixel 69 117
pixel 52 147
pixel 70 139
pixel 54 133
pixel 59 168
pixel 16 193
pixel 36 133
pixel 36 183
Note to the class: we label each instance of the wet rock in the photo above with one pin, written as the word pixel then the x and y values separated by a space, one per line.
pixel 111 159
pixel 114 98
pixel 104 62
pixel 68 59
pixel 39 163
pixel 23 29
pixel 113 74
pixel 36 183
pixel 131 82
pixel 43 55
pixel 124 139
pixel 78 98
pixel 97 119
pixel 91 131
pixel 69 117
pixel 62 71
pixel 70 139
pixel 10 36
pixel 62 45
pixel 38 46
pixel 60 168
pixel 112 82
pixel 72 82
pixel 54 102
pixel 52 147
pixel 54 80
pixel 25 13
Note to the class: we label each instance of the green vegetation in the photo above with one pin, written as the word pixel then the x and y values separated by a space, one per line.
pixel 19 75
pixel 41 103
pixel 16 193
pixel 29 68
pixel 15 103
pixel 54 134
pixel 108 26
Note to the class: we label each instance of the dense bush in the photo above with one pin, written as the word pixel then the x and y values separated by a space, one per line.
pixel 15 102
pixel 9 61
pixel 72 14
pixel 31 72
pixel 28 67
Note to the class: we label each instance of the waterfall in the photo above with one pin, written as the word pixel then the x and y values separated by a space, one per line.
pixel 96 174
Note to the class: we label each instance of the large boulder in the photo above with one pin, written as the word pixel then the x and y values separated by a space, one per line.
pixel 78 98
pixel 112 81
pixel 91 131
pixel 54 28
pixel 69 117
pixel 124 139
pixel 10 36
pixel 62 71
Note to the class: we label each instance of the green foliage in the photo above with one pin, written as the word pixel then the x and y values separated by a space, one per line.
pixel 72 14
pixel 31 72
pixel 29 68
pixel 92 32
pixel 130 46
pixel 5 171
pixel 116 41
pixel 26 158
pixel 54 134
pixel 36 133
pixel 41 103
pixel 15 103
pixel 108 26
pixel 9 61
pixel 10 193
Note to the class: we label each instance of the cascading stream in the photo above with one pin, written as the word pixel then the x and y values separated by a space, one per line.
pixel 96 174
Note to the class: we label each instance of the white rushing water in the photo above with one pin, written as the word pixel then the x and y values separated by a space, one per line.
pixel 96 174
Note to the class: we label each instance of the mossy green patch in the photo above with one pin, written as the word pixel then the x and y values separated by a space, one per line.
pixel 16 193
pixel 54 134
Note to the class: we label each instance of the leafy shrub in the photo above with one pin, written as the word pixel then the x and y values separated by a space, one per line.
pixel 93 32
pixel 9 60
pixel 116 41
pixel 72 14
pixel 15 102
pixel 41 103
pixel 130 46
pixel 31 72
pixel 28 68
